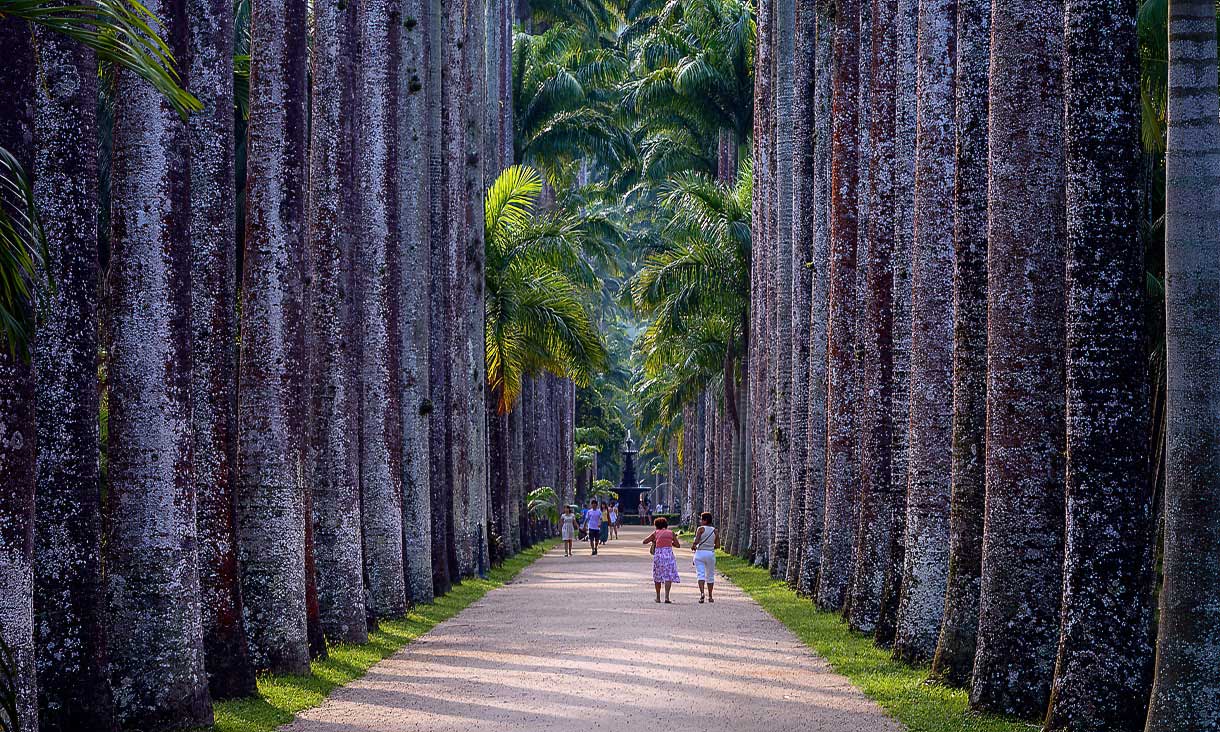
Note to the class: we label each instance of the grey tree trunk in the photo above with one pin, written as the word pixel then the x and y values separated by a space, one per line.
pixel 69 595
pixel 1186 688
pixel 873 540
pixel 1023 541
pixel 905 103
pixel 926 558
pixel 378 23
pixel 157 671
pixel 271 512
pixel 954 659
pixel 842 479
pixel 338 554
pixel 17 432
pixel 1107 583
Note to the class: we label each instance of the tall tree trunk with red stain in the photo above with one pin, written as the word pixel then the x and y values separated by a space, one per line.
pixel 954 660
pixel 1022 568
pixel 842 500
pixel 271 502
pixel 69 595
pixel 156 664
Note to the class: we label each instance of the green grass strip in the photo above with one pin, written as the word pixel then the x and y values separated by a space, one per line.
pixel 902 691
pixel 281 697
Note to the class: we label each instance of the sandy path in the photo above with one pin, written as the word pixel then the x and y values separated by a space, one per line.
pixel 579 644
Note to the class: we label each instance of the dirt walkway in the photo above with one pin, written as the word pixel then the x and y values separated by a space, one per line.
pixel 578 644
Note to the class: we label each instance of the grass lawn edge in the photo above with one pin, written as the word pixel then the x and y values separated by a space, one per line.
pixel 904 692
pixel 281 697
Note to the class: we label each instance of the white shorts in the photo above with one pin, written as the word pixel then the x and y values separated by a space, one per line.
pixel 705 565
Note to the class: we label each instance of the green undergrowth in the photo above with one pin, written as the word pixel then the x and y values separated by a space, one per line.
pixel 902 691
pixel 281 697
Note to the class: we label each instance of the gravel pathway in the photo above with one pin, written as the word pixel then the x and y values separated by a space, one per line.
pixel 578 643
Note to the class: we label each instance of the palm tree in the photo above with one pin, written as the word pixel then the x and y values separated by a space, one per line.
pixel 334 397
pixel 931 420
pixel 214 345
pixel 1184 687
pixel 872 549
pixel 156 635
pixel 1107 602
pixel 954 659
pixel 905 107
pixel 69 595
pixel 841 506
pixel 17 393
pixel 376 168
pixel 271 515
pixel 412 297
pixel 1023 540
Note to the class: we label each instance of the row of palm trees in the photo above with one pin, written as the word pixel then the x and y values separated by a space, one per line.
pixel 930 405
pixel 316 350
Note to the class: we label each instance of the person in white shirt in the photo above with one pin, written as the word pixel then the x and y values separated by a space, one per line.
pixel 705 544
pixel 593 524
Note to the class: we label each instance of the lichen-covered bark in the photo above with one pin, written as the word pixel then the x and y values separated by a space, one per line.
pixel 271 374
pixel 905 103
pixel 1186 687
pixel 69 595
pixel 817 113
pixel 780 365
pixel 413 292
pixel 1023 539
pixel 334 454
pixel 156 664
pixel 516 478
pixel 759 279
pixel 1104 670
pixel 926 558
pixel 841 506
pixel 214 346
pixel 954 658
pixel 872 549
pixel 380 487
pixel 17 433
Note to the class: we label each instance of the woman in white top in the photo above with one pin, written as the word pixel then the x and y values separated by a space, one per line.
pixel 705 544
pixel 613 520
pixel 567 529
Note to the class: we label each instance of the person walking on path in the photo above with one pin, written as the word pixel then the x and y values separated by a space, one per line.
pixel 614 518
pixel 567 529
pixel 643 512
pixel 664 566
pixel 593 524
pixel 705 545
pixel 605 528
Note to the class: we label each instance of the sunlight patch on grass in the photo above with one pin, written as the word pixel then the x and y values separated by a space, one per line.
pixel 902 691
pixel 281 697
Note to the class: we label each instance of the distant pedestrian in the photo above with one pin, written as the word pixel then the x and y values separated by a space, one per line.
pixel 567 529
pixel 614 519
pixel 664 566
pixel 593 524
pixel 643 512
pixel 605 527
pixel 705 545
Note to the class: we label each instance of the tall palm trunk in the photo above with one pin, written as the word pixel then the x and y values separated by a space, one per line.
pixel 271 514
pixel 376 133
pixel 156 635
pixel 926 559
pixel 440 478
pixel 954 659
pixel 1107 595
pixel 17 433
pixel 1186 686
pixel 842 500
pixel 819 112
pixel 1023 540
pixel 872 550
pixel 338 556
pixel 905 104
pixel 69 593
pixel 781 243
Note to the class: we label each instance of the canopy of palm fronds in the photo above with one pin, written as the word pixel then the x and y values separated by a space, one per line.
pixel 536 317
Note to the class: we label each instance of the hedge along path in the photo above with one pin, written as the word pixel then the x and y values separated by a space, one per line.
pixel 281 697
pixel 578 643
